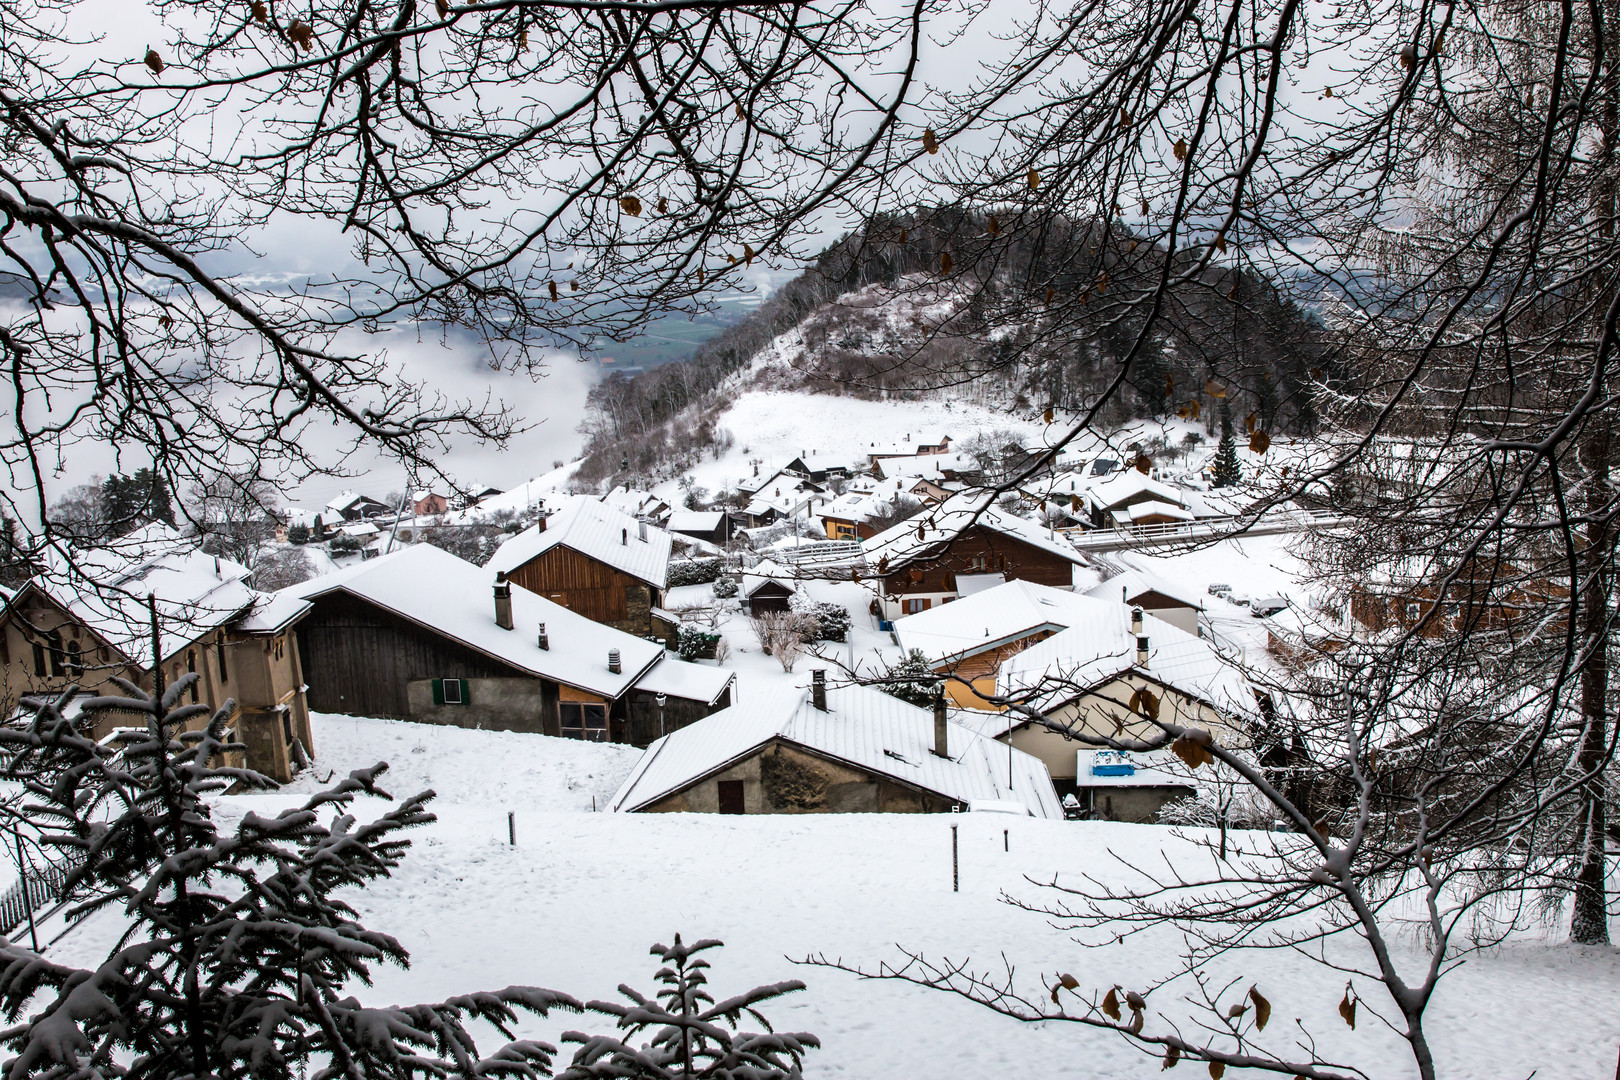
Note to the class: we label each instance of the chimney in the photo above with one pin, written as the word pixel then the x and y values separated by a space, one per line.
pixel 613 661
pixel 1141 638
pixel 624 537
pixel 818 689
pixel 503 602
pixel 540 526
pixel 641 527
pixel 942 727
pixel 543 641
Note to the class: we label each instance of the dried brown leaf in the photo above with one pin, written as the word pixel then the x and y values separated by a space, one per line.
pixel 1262 1008
pixel 930 141
pixel 154 61
pixel 552 286
pixel 1034 179
pixel 443 8
pixel 1181 149
pixel 1217 1070
pixel 1069 981
pixel 945 262
pixel 1347 1009
pixel 302 34
pixel 631 205
pixel 260 12
pixel 1110 1004
pixel 1259 442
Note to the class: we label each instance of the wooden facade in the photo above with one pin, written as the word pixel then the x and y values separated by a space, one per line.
pixel 591 588
pixel 366 661
pixel 923 583
pixel 770 595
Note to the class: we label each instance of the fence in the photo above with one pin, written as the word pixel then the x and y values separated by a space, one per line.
pixel 44 886
pixel 1130 536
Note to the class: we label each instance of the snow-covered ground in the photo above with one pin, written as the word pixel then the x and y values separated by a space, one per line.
pixel 580 898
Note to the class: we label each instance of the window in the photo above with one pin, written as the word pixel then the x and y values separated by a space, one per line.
pixel 978 563
pixel 75 659
pixel 54 640
pixel 449 691
pixel 583 720
pixel 39 660
pixel 219 656
pixel 191 669
pixel 912 606
pixel 1413 612
pixel 730 794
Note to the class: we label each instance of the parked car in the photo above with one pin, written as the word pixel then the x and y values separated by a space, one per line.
pixel 1263 606
pixel 1219 590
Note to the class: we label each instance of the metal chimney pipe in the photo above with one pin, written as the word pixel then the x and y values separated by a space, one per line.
pixel 942 727
pixel 641 527
pixel 613 661
pixel 818 689
pixel 543 641
pixel 1141 638
pixel 503 602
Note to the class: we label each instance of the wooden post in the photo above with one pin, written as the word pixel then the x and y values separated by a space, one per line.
pixel 27 897
pixel 956 870
pixel 1006 840
pixel 511 827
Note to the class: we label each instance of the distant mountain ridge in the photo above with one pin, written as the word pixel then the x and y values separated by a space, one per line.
pixel 947 304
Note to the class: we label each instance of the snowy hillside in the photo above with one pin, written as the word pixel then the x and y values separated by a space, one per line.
pixel 576 904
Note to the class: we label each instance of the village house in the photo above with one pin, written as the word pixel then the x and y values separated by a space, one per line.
pixel 826 751
pixel 61 629
pixel 768 587
pixel 1483 593
pixel 1176 606
pixel 920 561
pixel 594 560
pixel 709 526
pixel 819 467
pixel 422 635
pixel 848 517
pixel 638 504
pixel 352 506
pixel 1131 498
pixel 1103 675
pixel 426 502
pixel 906 446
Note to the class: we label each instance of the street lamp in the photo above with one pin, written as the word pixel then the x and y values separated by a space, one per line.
pixel 662 699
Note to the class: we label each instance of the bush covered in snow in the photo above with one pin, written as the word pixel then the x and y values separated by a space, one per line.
pixel 832 621
pixel 693 572
pixel 695 643
pixel 725 588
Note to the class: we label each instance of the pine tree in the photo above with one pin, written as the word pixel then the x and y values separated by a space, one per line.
pixel 910 680
pixel 1227 471
pixel 692 1035
pixel 239 953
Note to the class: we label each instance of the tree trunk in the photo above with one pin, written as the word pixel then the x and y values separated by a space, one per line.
pixel 1590 923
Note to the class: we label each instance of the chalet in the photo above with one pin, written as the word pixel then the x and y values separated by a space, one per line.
pixel 425 502
pixel 60 629
pixel 768 587
pixel 422 635
pixel 352 506
pixel 1090 676
pixel 941 467
pixel 919 559
pixel 710 526
pixel 819 467
pixel 1131 498
pixel 638 504
pixel 1178 607
pixel 757 514
pixel 593 560
pixel 848 517
pixel 827 751
pixel 926 443
pixel 969 639
pixel 784 485
pixel 1484 592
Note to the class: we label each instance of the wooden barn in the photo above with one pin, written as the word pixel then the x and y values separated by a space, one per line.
pixel 422 635
pixel 768 587
pixel 594 560
pixel 59 630
pixel 918 561
pixel 831 751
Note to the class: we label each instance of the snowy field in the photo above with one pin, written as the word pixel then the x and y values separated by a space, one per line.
pixel 580 898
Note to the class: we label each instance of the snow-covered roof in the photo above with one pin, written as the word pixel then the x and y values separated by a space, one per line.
pixel 765 572
pixel 1101 647
pixel 634 501
pixel 363 528
pixel 992 617
pixel 930 466
pixel 861 726
pixel 929 533
pixel 1153 508
pixel 1131 584
pixel 273 613
pixel 970 584
pixel 450 596
pixel 1130 484
pixel 682 679
pixel 695 520
pixel 107 589
pixel 591 528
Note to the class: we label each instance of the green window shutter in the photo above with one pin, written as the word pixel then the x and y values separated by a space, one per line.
pixel 438 691
pixel 464 698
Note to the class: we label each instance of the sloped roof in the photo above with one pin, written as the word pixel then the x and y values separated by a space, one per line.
pixel 695 520
pixel 451 597
pixel 107 587
pixel 682 679
pixel 591 528
pixel 1129 484
pixel 861 726
pixel 901 544
pixel 1154 508
pixel 991 618
pixel 1126 587
pixel 1102 647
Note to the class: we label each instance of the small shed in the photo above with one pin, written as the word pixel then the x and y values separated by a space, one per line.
pixel 1117 785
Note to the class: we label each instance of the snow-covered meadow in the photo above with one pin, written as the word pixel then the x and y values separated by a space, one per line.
pixel 581 897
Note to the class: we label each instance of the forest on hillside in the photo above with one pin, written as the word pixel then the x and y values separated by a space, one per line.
pixel 928 303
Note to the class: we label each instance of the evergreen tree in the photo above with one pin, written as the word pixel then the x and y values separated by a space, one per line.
pixel 239 950
pixel 910 680
pixel 1227 471
pixel 691 1034
pixel 156 501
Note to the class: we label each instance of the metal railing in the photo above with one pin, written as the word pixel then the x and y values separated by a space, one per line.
pixel 37 890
